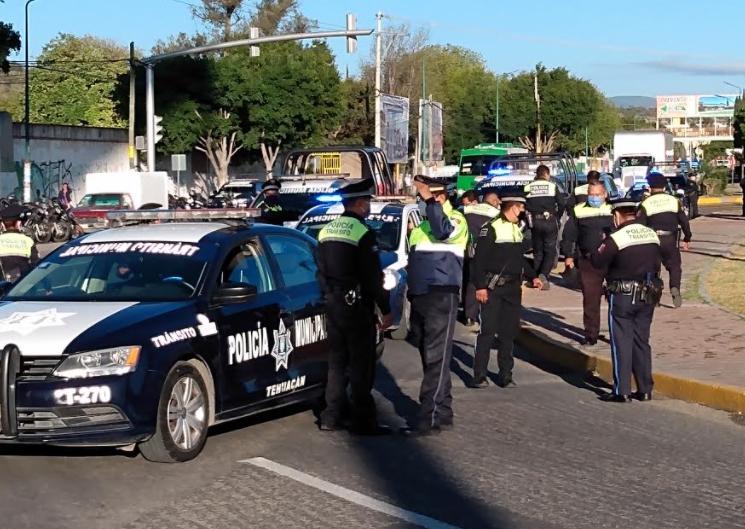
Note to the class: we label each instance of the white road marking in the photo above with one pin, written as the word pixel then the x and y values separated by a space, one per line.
pixel 348 495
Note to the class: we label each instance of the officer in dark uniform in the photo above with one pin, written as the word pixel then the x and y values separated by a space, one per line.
pixel 435 274
pixel 271 210
pixel 545 204
pixel 579 196
pixel 632 256
pixel 497 271
pixel 583 232
pixel 662 212
pixel 477 214
pixel 352 282
pixel 18 253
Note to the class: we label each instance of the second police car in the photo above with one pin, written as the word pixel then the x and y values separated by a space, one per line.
pixel 149 334
pixel 390 218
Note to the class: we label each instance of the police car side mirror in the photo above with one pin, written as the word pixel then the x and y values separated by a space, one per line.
pixel 231 293
pixel 5 287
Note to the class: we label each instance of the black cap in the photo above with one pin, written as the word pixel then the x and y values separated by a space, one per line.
pixel 623 203
pixel 511 194
pixel 14 211
pixel 436 185
pixel 656 180
pixel 358 189
pixel 271 185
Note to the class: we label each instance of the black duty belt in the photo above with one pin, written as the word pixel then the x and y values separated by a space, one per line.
pixel 501 280
pixel 666 233
pixel 624 287
pixel 546 215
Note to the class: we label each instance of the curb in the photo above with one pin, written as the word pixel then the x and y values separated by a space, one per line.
pixel 713 201
pixel 547 349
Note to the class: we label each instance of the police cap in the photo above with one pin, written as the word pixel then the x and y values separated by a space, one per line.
pixel 656 180
pixel 12 212
pixel 623 203
pixel 358 189
pixel 436 185
pixel 271 185
pixel 512 194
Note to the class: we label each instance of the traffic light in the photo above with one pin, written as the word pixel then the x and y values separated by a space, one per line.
pixel 351 26
pixel 254 34
pixel 158 128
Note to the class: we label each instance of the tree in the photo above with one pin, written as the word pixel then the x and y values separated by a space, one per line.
pixel 738 124
pixel 218 142
pixel 358 124
pixel 73 81
pixel 10 41
pixel 221 16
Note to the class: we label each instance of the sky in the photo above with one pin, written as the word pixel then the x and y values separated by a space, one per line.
pixel 634 47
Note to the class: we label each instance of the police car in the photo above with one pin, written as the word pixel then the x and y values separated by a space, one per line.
pixel 150 334
pixel 389 219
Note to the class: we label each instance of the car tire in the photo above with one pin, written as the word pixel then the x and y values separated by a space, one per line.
pixel 403 325
pixel 183 418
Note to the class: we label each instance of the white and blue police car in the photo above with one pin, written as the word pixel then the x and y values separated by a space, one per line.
pixel 149 334
pixel 390 218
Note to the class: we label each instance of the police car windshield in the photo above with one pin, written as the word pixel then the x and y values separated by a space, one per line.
pixel 101 200
pixel 387 228
pixel 139 271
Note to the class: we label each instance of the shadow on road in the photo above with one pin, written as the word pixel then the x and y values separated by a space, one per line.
pixel 553 322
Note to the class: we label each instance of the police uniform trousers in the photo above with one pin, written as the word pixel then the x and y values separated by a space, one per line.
pixel 591 282
pixel 352 359
pixel 630 323
pixel 500 316
pixel 544 234
pixel 432 324
pixel 470 305
pixel 671 258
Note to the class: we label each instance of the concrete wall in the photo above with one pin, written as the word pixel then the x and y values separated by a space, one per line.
pixel 6 143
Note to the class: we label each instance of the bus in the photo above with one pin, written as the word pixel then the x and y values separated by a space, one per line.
pixel 480 162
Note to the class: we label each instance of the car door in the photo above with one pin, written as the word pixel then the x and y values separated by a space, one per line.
pixel 248 330
pixel 305 317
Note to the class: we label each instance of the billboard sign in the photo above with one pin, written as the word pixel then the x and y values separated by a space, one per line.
pixel 431 134
pixel 394 126
pixel 672 106
pixel 716 105
pixel 696 106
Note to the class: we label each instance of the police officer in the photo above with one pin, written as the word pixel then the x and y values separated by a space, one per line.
pixel 662 212
pixel 435 273
pixel 18 253
pixel 497 271
pixel 545 204
pixel 583 232
pixel 352 282
pixel 632 256
pixel 477 214
pixel 579 196
pixel 271 210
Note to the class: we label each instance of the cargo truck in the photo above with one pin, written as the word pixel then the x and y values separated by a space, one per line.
pixel 634 152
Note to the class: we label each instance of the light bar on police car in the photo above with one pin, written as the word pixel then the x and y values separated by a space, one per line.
pixel 183 214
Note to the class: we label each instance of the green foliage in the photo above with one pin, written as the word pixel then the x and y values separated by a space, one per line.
pixel 716 149
pixel 739 123
pixel 74 79
pixel 716 180
pixel 10 40
pixel 358 108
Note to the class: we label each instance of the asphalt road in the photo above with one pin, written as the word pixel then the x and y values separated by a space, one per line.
pixel 545 454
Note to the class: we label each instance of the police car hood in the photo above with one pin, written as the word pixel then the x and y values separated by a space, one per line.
pixel 54 328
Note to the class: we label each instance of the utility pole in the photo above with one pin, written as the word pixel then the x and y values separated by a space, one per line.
pixel 538 131
pixel 131 150
pixel 27 157
pixel 496 118
pixel 378 73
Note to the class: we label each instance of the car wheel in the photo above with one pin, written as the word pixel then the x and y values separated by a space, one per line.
pixel 403 325
pixel 183 418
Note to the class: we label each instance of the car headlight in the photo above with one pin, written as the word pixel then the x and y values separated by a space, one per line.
pixel 114 361
pixel 390 279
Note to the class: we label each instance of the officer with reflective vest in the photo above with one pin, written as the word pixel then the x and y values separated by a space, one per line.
pixel 477 214
pixel 663 213
pixel 545 205
pixel 497 271
pixel 632 256
pixel 352 282
pixel 271 210
pixel 584 230
pixel 435 273
pixel 18 253
pixel 579 196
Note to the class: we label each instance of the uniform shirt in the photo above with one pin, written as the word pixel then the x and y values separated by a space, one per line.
pixel 437 249
pixel 584 229
pixel 544 196
pixel 18 254
pixel 348 259
pixel 272 213
pixel 662 212
pixel 630 253
pixel 499 250
pixel 477 215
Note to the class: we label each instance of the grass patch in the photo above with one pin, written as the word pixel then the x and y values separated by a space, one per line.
pixel 725 284
pixel 691 290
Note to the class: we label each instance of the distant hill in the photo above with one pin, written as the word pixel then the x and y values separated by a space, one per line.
pixel 634 101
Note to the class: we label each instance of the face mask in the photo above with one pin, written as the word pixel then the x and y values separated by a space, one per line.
pixel 594 201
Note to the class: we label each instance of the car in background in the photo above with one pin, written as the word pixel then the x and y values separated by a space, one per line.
pixel 238 193
pixel 685 189
pixel 90 213
pixel 390 220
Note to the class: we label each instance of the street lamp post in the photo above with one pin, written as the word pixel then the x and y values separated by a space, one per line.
pixel 27 158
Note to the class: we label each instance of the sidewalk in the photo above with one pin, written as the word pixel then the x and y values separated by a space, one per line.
pixel 698 350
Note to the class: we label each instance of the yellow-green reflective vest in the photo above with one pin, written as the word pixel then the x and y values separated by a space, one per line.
pixel 343 229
